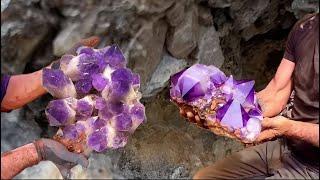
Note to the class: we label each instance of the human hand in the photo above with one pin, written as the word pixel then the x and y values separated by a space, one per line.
pixel 188 113
pixel 273 128
pixel 57 153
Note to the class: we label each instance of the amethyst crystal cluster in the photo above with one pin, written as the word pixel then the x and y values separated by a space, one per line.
pixel 97 98
pixel 221 102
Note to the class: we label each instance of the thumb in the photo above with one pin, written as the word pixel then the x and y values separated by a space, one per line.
pixel 266 135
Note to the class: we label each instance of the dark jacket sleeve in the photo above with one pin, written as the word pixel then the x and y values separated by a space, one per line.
pixel 4 84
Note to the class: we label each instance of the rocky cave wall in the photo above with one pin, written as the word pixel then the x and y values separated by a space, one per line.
pixel 245 38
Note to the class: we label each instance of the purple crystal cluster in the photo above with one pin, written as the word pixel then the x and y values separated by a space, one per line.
pixel 237 109
pixel 96 96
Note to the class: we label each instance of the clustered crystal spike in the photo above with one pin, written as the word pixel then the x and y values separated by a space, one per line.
pixel 96 96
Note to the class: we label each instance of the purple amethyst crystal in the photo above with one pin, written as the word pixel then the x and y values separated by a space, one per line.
pixel 137 112
pixel 85 107
pixel 105 114
pixel 83 86
pixel 120 89
pixel 195 82
pixel 57 83
pixel 135 80
pixel 99 82
pixel 122 75
pixel 122 122
pixel 98 140
pixel 100 103
pixel 252 130
pixel 70 132
pixel 199 85
pixel 59 113
pixel 115 57
pixel 98 123
pixel 120 139
pixel 233 115
pixel 107 110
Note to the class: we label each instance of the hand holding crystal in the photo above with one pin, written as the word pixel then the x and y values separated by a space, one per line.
pixel 273 128
pixel 57 153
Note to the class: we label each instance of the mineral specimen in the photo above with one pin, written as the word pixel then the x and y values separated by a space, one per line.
pixel 98 99
pixel 224 104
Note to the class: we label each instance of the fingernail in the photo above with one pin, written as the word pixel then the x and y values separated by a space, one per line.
pixel 190 115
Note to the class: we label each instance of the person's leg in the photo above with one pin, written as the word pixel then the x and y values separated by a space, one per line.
pixel 293 168
pixel 253 162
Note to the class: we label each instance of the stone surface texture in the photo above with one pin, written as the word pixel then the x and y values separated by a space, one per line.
pixel 245 38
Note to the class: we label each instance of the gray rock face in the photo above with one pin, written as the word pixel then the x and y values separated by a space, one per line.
pixel 23 28
pixel 145 49
pixel 16 130
pixel 210 52
pixel 176 14
pixel 205 17
pixel 161 75
pixel 245 38
pixel 72 34
pixel 302 7
pixel 182 39
pixel 247 12
pixel 219 3
pixel 152 6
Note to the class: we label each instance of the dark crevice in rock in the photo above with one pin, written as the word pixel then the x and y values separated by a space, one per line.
pixel 221 16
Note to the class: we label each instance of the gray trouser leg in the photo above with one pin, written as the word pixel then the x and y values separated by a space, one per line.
pixel 268 160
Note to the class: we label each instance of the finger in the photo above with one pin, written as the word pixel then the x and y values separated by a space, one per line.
pixel 182 112
pixel 266 123
pixel 65 172
pixel 266 135
pixel 91 41
pixel 190 115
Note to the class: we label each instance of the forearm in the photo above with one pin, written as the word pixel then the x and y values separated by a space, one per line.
pixel 304 131
pixel 272 99
pixel 23 89
pixel 13 162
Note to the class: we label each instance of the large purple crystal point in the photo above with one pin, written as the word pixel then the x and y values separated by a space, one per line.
pixel 59 113
pixel 243 90
pixel 100 103
pixel 85 107
pixel 122 122
pixel 135 80
pixel 235 117
pixel 122 75
pixel 83 86
pixel 57 83
pixel 137 113
pixel 105 114
pixel 72 131
pixel 115 57
pixel 99 82
pixel 195 82
pixel 98 140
